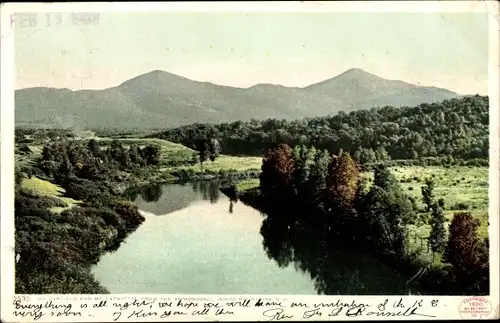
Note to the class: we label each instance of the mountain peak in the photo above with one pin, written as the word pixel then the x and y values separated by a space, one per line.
pixel 357 73
pixel 354 70
pixel 154 77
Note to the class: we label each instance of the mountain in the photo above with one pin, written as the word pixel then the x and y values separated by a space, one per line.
pixel 160 99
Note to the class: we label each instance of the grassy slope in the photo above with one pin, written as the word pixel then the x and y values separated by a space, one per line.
pixel 46 188
pixel 176 152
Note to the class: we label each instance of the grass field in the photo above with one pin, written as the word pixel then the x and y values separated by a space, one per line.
pixel 461 187
pixel 172 153
pixel 226 163
pixel 247 184
pixel 46 188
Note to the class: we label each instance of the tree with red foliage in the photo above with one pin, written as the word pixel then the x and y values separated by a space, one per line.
pixel 465 251
pixel 277 172
pixel 342 182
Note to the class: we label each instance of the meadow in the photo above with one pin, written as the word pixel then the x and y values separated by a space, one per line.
pixel 45 188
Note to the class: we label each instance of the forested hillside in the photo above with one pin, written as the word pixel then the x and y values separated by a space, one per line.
pixel 159 99
pixel 456 128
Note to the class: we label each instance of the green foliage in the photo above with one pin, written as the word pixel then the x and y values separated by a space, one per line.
pixel 437 236
pixel 208 149
pixel 457 128
pixel 428 193
pixel 316 184
pixel 151 154
pixel 301 169
pixel 383 178
pixel 59 242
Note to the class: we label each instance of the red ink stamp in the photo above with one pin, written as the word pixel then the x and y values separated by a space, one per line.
pixel 475 307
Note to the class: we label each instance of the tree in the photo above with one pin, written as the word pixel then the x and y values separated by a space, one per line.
pixel 437 236
pixel 301 170
pixel 383 178
pixel 277 171
pixel 384 212
pixel 208 149
pixel 465 251
pixel 115 150
pixel 428 193
pixel 125 160
pixel 152 154
pixel 94 148
pixel 64 172
pixel 215 149
pixel 316 184
pixel 203 149
pixel 135 155
pixel 342 181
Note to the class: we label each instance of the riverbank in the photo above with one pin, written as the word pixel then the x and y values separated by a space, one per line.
pixel 436 278
pixel 59 238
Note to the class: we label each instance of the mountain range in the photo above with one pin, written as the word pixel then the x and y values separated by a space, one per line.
pixel 159 99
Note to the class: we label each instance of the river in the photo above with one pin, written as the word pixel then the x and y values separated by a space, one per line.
pixel 195 240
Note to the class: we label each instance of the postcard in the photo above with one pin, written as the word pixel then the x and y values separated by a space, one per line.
pixel 249 161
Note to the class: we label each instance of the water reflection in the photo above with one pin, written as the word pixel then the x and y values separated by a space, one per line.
pixel 209 190
pixel 334 268
pixel 167 198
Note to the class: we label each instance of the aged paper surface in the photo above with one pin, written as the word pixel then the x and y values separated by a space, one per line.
pixel 249 161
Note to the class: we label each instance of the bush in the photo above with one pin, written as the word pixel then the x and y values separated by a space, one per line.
pixel 26 199
pixel 83 189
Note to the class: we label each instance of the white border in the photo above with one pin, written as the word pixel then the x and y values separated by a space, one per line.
pixel 448 308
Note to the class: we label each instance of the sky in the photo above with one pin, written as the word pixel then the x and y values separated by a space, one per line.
pixel 448 50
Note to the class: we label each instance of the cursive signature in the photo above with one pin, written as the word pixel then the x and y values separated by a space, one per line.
pixel 411 311
pixel 276 314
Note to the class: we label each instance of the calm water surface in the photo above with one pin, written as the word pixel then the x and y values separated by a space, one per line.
pixel 196 241
pixel 189 244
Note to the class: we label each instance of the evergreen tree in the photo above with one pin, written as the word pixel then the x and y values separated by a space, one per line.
pixel 383 178
pixel 125 160
pixel 152 154
pixel 317 179
pixel 428 193
pixel 94 148
pixel 64 172
pixel 437 236
pixel 135 155
pixel 384 213
pixel 301 170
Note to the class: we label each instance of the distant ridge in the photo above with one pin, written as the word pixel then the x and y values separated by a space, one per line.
pixel 161 99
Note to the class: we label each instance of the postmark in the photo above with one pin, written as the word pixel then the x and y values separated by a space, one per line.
pixel 52 19
pixel 475 307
